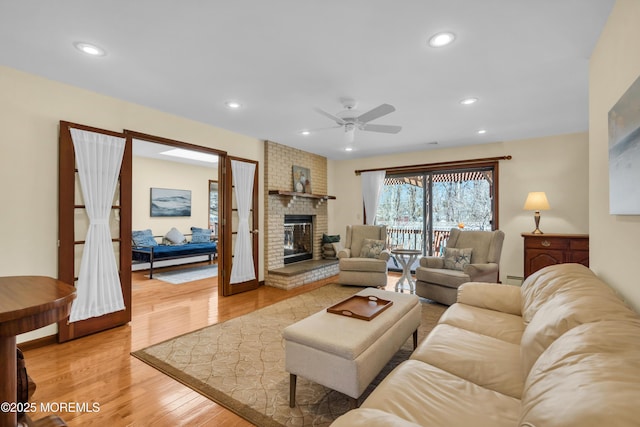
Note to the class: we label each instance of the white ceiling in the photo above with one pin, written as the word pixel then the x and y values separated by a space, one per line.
pixel 526 61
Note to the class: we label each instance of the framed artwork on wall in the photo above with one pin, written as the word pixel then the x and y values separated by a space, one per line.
pixel 624 153
pixel 301 179
pixel 169 202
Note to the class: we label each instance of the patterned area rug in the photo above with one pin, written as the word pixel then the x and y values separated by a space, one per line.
pixel 240 363
pixel 178 277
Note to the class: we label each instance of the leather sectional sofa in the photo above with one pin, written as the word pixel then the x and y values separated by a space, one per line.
pixel 563 350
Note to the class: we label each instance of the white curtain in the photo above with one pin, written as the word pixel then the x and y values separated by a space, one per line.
pixel 372 183
pixel 242 267
pixel 98 290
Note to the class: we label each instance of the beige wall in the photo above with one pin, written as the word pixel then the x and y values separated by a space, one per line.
pixel 30 112
pixel 153 173
pixel 557 165
pixel 614 66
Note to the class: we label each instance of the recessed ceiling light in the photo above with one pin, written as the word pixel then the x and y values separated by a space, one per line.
pixel 234 105
pixel 348 149
pixel 89 49
pixel 305 132
pixel 482 131
pixel 441 39
pixel 469 101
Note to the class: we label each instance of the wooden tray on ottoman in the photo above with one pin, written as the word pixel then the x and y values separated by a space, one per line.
pixel 361 307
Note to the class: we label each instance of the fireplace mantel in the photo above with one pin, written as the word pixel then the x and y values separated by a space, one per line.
pixel 291 196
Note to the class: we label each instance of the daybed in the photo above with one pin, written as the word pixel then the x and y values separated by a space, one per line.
pixel 147 250
pixel 561 351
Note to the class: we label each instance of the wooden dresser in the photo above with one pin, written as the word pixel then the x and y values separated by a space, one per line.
pixel 542 250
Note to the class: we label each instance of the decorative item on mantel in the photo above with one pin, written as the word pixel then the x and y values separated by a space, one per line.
pixel 536 201
pixel 301 179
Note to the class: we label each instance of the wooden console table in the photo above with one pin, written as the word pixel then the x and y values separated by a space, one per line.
pixel 26 303
pixel 542 250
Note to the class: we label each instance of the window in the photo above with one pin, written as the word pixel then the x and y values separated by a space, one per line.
pixel 421 207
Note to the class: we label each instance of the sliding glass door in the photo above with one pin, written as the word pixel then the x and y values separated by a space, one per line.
pixel 419 209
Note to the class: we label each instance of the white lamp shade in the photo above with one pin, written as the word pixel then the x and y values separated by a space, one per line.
pixel 536 201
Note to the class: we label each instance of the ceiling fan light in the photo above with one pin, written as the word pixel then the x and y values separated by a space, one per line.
pixel 349 134
pixel 441 39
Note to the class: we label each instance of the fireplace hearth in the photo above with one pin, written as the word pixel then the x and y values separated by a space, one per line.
pixel 298 238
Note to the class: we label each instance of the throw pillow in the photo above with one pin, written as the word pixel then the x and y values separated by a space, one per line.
pixel 371 248
pixel 200 235
pixel 174 237
pixel 330 239
pixel 337 247
pixel 143 238
pixel 456 259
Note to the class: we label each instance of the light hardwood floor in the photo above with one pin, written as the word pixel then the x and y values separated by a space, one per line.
pixel 100 369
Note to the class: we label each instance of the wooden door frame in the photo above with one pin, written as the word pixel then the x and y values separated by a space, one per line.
pixel 222 156
pixel 66 234
pixel 227 289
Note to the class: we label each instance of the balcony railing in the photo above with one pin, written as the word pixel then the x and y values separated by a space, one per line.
pixel 412 238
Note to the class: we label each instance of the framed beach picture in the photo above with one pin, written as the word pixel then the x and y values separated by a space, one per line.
pixel 624 153
pixel 168 202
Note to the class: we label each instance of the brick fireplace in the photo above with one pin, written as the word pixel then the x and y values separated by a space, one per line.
pixel 279 162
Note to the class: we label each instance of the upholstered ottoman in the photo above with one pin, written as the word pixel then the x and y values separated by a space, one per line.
pixel 346 353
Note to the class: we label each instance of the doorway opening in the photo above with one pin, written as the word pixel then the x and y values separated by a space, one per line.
pixel 194 173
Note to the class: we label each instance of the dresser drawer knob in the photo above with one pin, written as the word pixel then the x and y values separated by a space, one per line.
pixel 545 243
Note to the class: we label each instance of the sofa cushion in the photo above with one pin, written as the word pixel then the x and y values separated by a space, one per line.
pixel 143 238
pixel 566 309
pixel 588 377
pixel 428 396
pixel 200 235
pixel 174 237
pixel 504 326
pixel 546 282
pixel 493 296
pixel 369 265
pixel 457 259
pixel 481 359
pixel 447 278
pixel 371 248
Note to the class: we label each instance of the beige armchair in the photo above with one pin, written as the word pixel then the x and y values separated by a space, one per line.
pixel 363 259
pixel 470 256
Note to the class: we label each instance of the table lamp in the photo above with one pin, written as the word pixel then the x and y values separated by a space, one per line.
pixel 536 201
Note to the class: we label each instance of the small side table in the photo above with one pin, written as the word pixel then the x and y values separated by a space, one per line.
pixel 26 303
pixel 406 258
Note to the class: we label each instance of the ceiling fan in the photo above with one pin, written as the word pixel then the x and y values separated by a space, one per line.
pixel 351 119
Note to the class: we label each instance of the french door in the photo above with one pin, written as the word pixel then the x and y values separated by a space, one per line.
pixel 243 231
pixel 73 224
